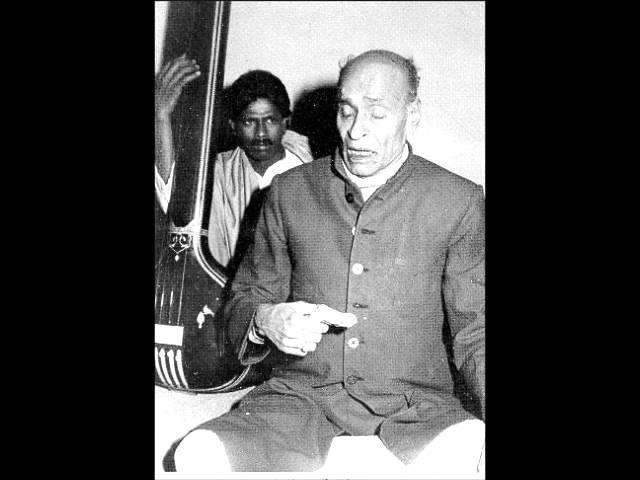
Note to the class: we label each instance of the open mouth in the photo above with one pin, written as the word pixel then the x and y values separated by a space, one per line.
pixel 359 153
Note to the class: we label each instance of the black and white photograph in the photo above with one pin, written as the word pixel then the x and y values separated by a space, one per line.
pixel 319 182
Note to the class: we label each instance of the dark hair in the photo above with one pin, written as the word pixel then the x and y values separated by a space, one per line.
pixel 256 84
pixel 405 64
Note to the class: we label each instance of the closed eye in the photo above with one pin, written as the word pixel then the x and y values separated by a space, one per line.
pixel 378 113
pixel 346 111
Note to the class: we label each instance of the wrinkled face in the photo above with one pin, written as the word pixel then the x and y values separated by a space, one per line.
pixel 259 131
pixel 373 116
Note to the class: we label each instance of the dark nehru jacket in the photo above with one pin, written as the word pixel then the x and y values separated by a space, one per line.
pixel 401 261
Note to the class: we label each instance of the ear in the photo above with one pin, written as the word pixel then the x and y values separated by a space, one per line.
pixel 287 122
pixel 232 126
pixel 414 110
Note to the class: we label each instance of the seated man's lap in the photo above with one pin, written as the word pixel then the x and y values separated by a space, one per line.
pixel 407 432
pixel 405 424
pixel 280 426
pixel 274 428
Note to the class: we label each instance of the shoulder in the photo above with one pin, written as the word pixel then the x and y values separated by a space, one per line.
pixel 226 157
pixel 298 145
pixel 304 172
pixel 291 160
pixel 302 181
pixel 442 182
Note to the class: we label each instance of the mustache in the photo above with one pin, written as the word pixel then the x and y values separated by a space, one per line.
pixel 261 143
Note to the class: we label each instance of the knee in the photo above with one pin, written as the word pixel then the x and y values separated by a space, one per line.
pixel 458 449
pixel 201 451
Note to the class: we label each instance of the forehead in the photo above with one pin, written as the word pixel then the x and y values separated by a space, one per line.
pixel 261 107
pixel 374 81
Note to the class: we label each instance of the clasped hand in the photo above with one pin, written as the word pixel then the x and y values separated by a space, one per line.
pixel 296 328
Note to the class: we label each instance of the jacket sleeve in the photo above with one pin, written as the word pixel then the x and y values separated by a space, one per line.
pixel 464 294
pixel 163 190
pixel 263 277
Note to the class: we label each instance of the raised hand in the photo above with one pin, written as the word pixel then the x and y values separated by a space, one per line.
pixel 296 328
pixel 170 81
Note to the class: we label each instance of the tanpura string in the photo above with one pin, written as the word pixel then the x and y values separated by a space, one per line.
pixel 181 131
pixel 184 269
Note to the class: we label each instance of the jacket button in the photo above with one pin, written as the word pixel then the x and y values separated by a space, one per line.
pixel 353 342
pixel 357 268
pixel 349 197
pixel 351 380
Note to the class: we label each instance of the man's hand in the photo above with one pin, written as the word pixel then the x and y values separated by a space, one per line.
pixel 296 328
pixel 170 81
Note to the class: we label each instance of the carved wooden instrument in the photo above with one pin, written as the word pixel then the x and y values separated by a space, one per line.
pixel 191 349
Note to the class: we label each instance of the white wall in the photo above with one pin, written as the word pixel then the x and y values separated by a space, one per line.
pixel 160 24
pixel 303 42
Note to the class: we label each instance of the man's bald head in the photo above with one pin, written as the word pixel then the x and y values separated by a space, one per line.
pixel 404 65
pixel 378 106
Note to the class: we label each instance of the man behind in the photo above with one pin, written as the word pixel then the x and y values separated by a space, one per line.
pixel 260 114
pixel 346 294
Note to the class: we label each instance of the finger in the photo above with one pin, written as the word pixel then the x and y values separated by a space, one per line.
pixel 335 318
pixel 318 327
pixel 325 314
pixel 302 333
pixel 294 346
pixel 178 77
pixel 302 350
pixel 189 78
pixel 171 92
pixel 346 320
pixel 171 64
pixel 179 68
pixel 307 323
pixel 310 337
pixel 309 347
pixel 304 308
pixel 293 351
pixel 292 342
pixel 165 68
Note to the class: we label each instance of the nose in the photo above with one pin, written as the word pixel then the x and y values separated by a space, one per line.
pixel 262 129
pixel 358 128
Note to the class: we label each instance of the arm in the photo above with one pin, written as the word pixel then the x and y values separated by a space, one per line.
pixel 258 305
pixel 170 81
pixel 464 295
pixel 164 146
pixel 262 278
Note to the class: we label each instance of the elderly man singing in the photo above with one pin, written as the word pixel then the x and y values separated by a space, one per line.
pixel 359 261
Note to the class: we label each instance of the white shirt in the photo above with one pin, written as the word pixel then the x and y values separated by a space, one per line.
pixel 290 160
